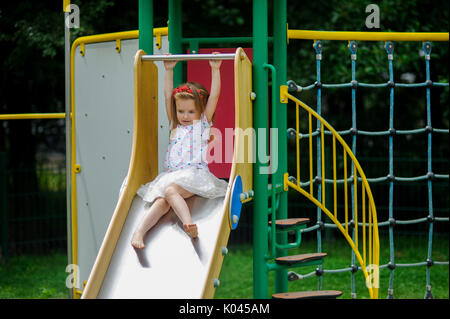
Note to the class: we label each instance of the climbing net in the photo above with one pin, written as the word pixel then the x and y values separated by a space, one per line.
pixel 429 177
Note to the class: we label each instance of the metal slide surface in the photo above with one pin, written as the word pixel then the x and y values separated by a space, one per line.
pixel 172 265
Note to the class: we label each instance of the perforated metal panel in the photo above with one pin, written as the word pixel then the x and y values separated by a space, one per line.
pixel 104 113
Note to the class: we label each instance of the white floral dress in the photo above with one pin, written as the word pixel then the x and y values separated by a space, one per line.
pixel 186 165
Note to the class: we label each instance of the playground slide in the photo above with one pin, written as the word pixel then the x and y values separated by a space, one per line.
pixel 172 265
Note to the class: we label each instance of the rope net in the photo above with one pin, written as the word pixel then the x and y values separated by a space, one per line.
pixel 429 177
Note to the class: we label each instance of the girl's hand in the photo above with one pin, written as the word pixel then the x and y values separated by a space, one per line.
pixel 169 65
pixel 215 64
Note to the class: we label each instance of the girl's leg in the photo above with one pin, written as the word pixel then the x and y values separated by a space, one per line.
pixel 175 196
pixel 156 211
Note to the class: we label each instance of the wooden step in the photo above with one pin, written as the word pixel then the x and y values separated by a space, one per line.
pixel 298 259
pixel 319 294
pixel 290 222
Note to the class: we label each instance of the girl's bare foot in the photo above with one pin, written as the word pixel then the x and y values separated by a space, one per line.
pixel 191 229
pixel 138 240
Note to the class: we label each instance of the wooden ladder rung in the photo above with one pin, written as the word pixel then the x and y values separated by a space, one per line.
pixel 298 259
pixel 290 222
pixel 319 294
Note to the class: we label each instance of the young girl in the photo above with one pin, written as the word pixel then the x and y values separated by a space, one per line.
pixel 190 110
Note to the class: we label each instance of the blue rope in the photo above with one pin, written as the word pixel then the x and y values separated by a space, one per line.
pixel 353 48
pixel 368 85
pixel 427 50
pixel 318 49
pixel 390 51
pixel 291 132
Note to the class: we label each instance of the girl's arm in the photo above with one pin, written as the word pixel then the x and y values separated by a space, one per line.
pixel 215 88
pixel 168 87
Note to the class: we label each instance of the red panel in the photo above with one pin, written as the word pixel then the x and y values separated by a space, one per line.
pixel 200 71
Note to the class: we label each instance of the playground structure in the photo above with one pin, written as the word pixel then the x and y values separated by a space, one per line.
pixel 390 177
pixel 197 278
pixel 358 222
pixel 263 190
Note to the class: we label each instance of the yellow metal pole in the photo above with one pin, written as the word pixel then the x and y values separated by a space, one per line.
pixel 32 116
pixel 339 226
pixel 322 146
pixel 310 156
pixel 370 236
pixel 66 3
pixel 355 182
pixel 367 36
pixel 298 144
pixel 363 196
pixel 334 177
pixel 345 192
pixel 373 233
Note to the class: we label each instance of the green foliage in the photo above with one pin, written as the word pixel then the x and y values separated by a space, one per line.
pixel 372 105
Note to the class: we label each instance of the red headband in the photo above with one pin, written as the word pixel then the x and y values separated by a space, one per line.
pixel 185 89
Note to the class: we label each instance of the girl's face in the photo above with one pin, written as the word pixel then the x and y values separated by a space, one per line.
pixel 186 111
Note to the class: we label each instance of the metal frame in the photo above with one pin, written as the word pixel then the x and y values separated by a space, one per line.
pixel 189 57
pixel 367 36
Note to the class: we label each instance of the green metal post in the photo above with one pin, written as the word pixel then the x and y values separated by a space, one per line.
pixel 280 56
pixel 175 37
pixel 146 26
pixel 193 46
pixel 260 115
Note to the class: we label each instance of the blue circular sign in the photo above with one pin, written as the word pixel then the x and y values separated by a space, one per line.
pixel 235 202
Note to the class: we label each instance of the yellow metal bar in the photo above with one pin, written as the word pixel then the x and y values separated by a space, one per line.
pixel 116 36
pixel 345 192
pixel 373 226
pixel 376 259
pixel 82 49
pixel 367 36
pixel 283 94
pixel 363 196
pixel 310 156
pixel 66 3
pixel 355 183
pixel 133 34
pixel 370 236
pixel 322 146
pixel 118 45
pixel 285 179
pixel 334 220
pixel 298 143
pixel 334 176
pixel 32 116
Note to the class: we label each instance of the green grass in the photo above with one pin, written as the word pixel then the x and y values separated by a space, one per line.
pixel 44 276
pixel 409 282
pixel 36 277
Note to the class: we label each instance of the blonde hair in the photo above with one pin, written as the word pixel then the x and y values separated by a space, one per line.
pixel 189 90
